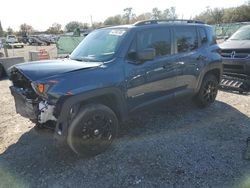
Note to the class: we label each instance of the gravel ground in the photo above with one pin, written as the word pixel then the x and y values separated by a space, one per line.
pixel 174 145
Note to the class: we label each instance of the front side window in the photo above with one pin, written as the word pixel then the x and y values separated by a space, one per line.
pixel 132 52
pixel 159 39
pixel 186 39
pixel 100 45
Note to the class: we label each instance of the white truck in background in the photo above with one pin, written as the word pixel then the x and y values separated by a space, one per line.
pixel 12 42
pixel 11 39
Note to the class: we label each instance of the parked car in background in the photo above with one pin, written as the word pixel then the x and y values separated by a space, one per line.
pixel 236 52
pixel 45 38
pixel 236 60
pixel 33 40
pixel 113 73
pixel 11 41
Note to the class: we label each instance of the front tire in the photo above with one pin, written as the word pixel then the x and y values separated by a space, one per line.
pixel 92 130
pixel 208 91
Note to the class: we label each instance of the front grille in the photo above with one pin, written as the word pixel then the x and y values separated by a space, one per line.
pixel 20 81
pixel 235 53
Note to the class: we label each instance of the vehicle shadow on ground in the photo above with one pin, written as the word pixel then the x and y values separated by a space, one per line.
pixel 34 158
pixel 4 78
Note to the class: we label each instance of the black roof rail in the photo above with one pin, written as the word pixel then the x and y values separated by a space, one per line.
pixel 146 22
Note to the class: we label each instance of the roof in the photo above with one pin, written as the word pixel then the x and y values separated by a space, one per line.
pixel 162 22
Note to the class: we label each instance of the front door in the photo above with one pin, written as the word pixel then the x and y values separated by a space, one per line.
pixel 151 80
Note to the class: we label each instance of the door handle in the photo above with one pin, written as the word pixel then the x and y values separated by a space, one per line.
pixel 180 63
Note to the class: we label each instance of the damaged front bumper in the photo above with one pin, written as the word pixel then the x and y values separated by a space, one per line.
pixel 33 109
pixel 29 104
pixel 25 107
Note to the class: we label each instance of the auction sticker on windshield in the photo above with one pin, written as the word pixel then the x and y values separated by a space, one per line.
pixel 117 32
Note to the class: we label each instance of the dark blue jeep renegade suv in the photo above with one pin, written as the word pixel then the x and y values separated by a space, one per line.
pixel 115 71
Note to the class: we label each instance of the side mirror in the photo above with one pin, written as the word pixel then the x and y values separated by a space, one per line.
pixel 226 37
pixel 146 54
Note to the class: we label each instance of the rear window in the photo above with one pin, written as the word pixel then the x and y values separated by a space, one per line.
pixel 186 39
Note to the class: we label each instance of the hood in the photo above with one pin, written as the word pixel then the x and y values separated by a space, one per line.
pixel 235 44
pixel 43 69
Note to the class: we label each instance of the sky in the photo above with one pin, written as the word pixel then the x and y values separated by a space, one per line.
pixel 42 14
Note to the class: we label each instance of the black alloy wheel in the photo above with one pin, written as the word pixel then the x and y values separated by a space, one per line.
pixel 208 91
pixel 92 130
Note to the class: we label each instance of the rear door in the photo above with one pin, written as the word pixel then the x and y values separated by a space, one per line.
pixel 186 48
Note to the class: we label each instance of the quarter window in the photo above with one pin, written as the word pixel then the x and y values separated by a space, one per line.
pixel 159 39
pixel 203 36
pixel 186 39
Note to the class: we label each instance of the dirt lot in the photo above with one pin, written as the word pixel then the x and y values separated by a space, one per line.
pixel 174 145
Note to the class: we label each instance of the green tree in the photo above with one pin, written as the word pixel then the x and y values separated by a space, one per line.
pixel 156 13
pixel 217 15
pixel 228 15
pixel 56 28
pixel 10 31
pixel 169 13
pixel 144 16
pixel 85 26
pixel 206 16
pixel 96 25
pixel 244 12
pixel 114 20
pixel 73 25
pixel 26 29
pixel 128 16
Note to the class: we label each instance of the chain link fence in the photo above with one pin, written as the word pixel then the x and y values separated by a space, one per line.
pixel 226 30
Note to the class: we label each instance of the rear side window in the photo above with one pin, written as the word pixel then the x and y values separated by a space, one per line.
pixel 159 39
pixel 186 39
pixel 203 36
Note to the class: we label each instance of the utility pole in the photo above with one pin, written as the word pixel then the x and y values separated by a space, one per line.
pixel 91 21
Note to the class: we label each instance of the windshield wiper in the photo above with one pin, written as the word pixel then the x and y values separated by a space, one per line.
pixel 76 59
pixel 84 59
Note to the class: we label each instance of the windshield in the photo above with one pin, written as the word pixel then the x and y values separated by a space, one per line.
pixel 100 45
pixel 241 34
pixel 11 37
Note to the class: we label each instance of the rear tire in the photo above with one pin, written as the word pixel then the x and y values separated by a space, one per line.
pixel 208 91
pixel 92 130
